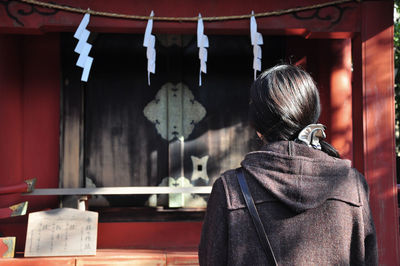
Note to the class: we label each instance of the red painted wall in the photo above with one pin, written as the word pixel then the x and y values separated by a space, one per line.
pixel 332 65
pixel 29 118
pixel 41 114
pixel 149 235
pixel 11 113
pixel 329 62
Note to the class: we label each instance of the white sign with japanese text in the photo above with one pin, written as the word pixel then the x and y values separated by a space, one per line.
pixel 61 232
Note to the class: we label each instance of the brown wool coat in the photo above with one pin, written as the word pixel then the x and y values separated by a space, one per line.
pixel 314 209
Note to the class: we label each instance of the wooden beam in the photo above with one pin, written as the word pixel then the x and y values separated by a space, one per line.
pixel 26 186
pixel 338 18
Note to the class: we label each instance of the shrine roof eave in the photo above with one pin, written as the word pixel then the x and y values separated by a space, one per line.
pixel 338 21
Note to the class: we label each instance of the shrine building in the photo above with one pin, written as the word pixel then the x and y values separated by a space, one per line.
pixel 149 122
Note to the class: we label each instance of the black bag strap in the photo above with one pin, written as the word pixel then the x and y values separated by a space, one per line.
pixel 256 218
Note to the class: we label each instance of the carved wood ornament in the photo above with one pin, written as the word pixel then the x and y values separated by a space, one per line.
pixel 174 111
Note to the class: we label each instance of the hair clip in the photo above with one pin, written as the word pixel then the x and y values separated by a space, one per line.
pixel 312 134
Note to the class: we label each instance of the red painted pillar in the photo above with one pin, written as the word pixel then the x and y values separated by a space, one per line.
pixel 341 126
pixel 373 115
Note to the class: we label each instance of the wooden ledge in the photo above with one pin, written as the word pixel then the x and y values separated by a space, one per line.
pixel 118 191
pixel 117 257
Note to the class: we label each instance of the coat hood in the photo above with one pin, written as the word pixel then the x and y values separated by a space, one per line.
pixel 301 177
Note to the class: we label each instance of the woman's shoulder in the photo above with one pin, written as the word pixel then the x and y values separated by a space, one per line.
pixel 228 185
pixel 233 194
pixel 363 187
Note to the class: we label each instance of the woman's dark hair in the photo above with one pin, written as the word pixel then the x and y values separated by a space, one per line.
pixel 283 100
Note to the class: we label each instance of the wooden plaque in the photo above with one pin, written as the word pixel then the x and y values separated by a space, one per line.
pixel 61 232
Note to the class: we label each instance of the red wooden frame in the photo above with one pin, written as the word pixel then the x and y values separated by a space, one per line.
pixel 30 90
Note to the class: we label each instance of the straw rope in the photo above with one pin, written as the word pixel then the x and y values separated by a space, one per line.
pixel 182 19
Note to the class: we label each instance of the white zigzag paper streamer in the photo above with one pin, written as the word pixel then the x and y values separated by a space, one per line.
pixel 256 41
pixel 149 42
pixel 202 43
pixel 83 47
